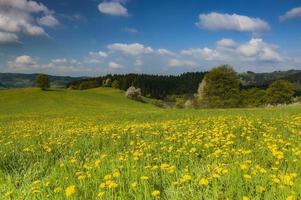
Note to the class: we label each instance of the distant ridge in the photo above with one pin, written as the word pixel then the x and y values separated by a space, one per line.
pixel 19 80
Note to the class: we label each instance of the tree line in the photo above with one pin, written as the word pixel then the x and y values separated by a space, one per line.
pixel 153 86
pixel 221 87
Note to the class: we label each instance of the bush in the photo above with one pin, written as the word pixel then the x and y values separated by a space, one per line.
pixel 42 81
pixel 220 88
pixel 280 92
pixel 134 93
pixel 253 97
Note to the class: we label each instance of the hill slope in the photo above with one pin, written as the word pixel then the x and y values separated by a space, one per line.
pixel 99 102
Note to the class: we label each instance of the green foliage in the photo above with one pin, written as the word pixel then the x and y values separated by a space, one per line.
pixel 280 92
pixel 42 81
pixel 220 88
pixel 115 84
pixel 253 97
pixel 154 86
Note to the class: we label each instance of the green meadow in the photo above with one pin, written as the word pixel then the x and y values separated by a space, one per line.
pixel 97 144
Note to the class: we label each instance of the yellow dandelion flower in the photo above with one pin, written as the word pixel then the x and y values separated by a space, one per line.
pixel 203 181
pixel 70 190
pixel 144 178
pixel 156 193
pixel 245 198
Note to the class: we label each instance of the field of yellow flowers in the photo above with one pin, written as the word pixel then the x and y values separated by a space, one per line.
pixel 114 150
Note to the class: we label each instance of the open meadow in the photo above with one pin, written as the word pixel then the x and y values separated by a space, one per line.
pixel 97 144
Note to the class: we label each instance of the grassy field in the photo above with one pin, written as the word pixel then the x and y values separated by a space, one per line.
pixel 96 144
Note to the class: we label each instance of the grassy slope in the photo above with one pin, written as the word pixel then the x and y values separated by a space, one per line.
pixel 29 112
pixel 101 103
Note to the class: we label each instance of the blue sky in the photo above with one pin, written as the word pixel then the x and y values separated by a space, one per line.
pixel 94 37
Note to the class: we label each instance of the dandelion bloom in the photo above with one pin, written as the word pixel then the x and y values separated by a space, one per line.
pixel 156 193
pixel 70 190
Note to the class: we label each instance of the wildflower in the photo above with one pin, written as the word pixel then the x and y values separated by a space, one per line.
pixel 144 178
pixel 156 193
pixel 102 185
pixel 290 198
pixel 57 190
pixel 245 198
pixel 134 184
pixel 116 174
pixel 8 194
pixel 70 190
pixel 203 181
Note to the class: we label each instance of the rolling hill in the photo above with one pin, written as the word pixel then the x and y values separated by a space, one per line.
pixel 18 80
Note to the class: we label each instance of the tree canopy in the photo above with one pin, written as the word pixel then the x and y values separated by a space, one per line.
pixel 42 81
pixel 220 88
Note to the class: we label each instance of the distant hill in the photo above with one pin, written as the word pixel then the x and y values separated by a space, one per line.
pixel 155 84
pixel 263 79
pixel 17 80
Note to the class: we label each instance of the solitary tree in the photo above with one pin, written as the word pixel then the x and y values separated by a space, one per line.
pixel 280 92
pixel 220 88
pixel 134 93
pixel 42 81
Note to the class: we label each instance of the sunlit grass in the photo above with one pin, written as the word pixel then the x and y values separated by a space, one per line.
pixel 97 144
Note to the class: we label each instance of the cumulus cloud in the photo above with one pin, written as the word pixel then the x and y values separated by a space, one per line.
pixel 23 62
pixel 113 8
pixel 254 54
pixel 231 22
pixel 204 53
pixel 256 48
pixel 114 65
pixel 96 57
pixel 291 14
pixel 130 49
pixel 6 38
pixel 59 66
pixel 25 17
pixel 181 63
pixel 226 43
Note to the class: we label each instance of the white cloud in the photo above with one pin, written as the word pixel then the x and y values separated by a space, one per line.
pixel 226 43
pixel 113 8
pixel 130 49
pixel 203 53
pixel 59 60
pixel 96 57
pixel 291 14
pixel 256 48
pixel 48 20
pixel 114 65
pixel 166 52
pixel 25 17
pixel 181 63
pixel 23 62
pixel 6 38
pixel 217 21
pixel 59 66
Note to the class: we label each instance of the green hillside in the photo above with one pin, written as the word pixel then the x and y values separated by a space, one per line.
pixel 97 144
